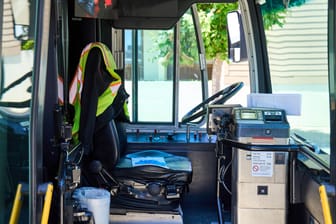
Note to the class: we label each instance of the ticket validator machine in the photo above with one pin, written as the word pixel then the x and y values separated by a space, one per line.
pixel 259 178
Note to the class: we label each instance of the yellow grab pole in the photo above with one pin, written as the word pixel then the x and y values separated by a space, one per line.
pixel 14 218
pixel 325 205
pixel 47 204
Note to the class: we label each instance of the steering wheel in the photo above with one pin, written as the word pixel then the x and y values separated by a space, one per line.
pixel 218 98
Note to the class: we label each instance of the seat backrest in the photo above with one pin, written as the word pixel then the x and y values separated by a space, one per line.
pixel 106 146
pixel 109 143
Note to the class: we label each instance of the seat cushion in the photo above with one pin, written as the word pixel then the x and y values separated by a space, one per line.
pixel 154 165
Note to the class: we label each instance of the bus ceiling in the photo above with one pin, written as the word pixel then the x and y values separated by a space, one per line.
pixel 136 14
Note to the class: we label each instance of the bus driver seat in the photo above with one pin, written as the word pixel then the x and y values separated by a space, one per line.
pixel 147 179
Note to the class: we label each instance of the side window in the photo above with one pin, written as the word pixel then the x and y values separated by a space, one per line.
pixel 149 74
pixel 190 73
pixel 298 57
pixel 223 69
pixel 17 54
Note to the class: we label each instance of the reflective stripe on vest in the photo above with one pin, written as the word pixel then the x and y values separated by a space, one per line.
pixel 76 87
pixel 60 89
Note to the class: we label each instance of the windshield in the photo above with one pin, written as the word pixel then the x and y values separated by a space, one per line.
pixel 296 36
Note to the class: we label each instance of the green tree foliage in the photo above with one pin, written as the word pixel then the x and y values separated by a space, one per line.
pixel 27 45
pixel 213 22
pixel 189 47
pixel 164 42
pixel 274 11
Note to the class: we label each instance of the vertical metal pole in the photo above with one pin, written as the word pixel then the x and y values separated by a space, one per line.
pixel 218 195
pixel 135 74
pixel 43 15
pixel 332 93
pixel 201 48
pixel 3 148
pixel 1 61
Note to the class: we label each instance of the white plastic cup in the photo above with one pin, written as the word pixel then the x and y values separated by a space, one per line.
pixel 95 200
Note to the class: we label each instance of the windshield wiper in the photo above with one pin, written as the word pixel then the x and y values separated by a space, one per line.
pixel 310 151
pixel 303 141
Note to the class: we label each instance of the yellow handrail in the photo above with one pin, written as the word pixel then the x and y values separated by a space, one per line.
pixel 18 200
pixel 47 204
pixel 325 205
pixel 14 218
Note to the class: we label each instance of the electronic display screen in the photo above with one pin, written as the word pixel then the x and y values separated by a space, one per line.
pixel 96 9
pixel 248 115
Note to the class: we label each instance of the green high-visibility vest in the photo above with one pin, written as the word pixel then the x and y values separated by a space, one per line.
pixel 106 98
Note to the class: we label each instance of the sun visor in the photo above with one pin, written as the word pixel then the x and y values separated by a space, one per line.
pixel 137 14
pixel 290 102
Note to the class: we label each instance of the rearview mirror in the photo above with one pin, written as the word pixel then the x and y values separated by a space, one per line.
pixel 236 40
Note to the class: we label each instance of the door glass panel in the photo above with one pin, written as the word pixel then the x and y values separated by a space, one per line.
pixel 17 54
